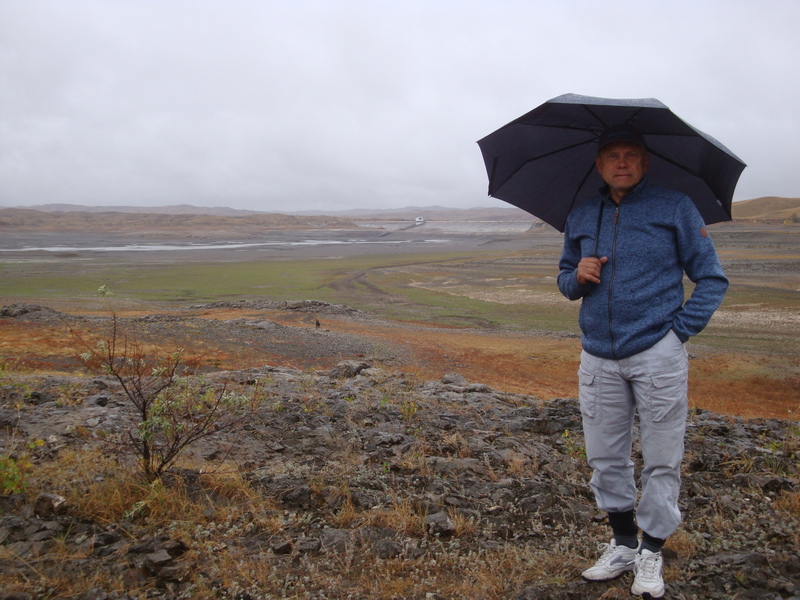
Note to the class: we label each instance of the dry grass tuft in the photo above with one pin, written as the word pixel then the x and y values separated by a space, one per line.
pixel 402 516
pixel 789 502
pixel 464 525
pixel 101 488
pixel 682 544
pixel 615 593
pixel 346 516
pixel 521 467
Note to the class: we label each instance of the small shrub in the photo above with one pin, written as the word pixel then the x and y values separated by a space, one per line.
pixel 171 411
pixel 573 448
pixel 14 470
pixel 408 408
pixel 12 474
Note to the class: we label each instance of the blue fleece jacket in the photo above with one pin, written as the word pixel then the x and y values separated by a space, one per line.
pixel 651 239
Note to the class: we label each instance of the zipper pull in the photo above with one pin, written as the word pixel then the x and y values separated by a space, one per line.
pixel 616 215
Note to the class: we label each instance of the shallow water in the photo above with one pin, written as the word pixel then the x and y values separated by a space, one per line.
pixel 217 246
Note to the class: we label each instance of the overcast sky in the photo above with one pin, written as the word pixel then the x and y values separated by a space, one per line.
pixel 296 105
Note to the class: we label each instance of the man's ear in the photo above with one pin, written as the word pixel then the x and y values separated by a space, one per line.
pixel 597 163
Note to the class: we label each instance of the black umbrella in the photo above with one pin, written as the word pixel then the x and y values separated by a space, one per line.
pixel 543 162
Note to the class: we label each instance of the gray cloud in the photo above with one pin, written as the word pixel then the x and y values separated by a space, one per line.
pixel 330 105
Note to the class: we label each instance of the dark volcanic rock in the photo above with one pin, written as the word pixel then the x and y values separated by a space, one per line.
pixel 365 464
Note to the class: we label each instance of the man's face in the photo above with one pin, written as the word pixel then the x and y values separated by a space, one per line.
pixel 622 166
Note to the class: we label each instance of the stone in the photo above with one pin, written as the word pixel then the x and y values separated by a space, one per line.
pixel 306 545
pixel 282 547
pixel 348 369
pixel 440 524
pixel 47 505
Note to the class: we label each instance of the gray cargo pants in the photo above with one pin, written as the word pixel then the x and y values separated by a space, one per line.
pixel 654 384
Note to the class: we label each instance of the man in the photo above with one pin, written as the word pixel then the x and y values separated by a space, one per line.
pixel 625 255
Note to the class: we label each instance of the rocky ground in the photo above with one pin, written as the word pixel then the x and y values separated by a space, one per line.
pixel 364 481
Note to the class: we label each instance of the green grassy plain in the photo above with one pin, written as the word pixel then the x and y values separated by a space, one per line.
pixel 463 290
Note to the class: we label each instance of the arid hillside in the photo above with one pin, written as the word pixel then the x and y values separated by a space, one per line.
pixel 766 208
pixel 18 219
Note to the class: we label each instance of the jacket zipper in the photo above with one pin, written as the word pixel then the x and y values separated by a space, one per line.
pixel 611 283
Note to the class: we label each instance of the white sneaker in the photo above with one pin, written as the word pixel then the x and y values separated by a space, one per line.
pixel 614 561
pixel 648 581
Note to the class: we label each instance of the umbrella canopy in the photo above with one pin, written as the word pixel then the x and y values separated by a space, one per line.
pixel 543 162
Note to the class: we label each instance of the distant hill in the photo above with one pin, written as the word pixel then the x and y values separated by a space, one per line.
pixel 761 209
pixel 767 208
pixel 409 213
pixel 176 209
pixel 440 213
pixel 23 219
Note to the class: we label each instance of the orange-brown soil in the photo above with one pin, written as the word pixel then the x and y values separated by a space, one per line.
pixel 539 365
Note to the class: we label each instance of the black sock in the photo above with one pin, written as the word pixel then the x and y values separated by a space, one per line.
pixel 626 532
pixel 651 543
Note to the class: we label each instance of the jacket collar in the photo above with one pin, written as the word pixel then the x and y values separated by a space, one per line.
pixel 630 196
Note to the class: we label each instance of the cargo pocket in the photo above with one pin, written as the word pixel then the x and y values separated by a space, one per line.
pixel 668 399
pixel 588 394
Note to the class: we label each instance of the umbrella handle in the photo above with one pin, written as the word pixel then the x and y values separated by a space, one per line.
pixel 597 232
